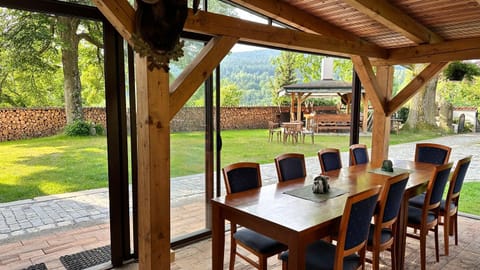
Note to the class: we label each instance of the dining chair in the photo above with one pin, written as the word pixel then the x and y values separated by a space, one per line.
pixel 383 230
pixel 358 154
pixel 432 153
pixel 290 166
pixel 426 218
pixel 274 129
pixel 330 159
pixel 349 251
pixel 449 206
pixel 240 177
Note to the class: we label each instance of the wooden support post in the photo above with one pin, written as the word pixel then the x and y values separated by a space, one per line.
pixel 153 131
pixel 381 122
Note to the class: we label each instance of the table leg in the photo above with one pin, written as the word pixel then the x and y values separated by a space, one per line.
pixel 400 239
pixel 296 256
pixel 218 238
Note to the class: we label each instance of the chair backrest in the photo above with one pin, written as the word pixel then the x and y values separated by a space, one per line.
pixel 290 166
pixel 330 159
pixel 436 187
pixel 355 224
pixel 358 154
pixel 273 125
pixel 432 153
pixel 390 200
pixel 241 176
pixel 456 182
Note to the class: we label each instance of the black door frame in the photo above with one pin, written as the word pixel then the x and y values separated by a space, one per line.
pixel 116 117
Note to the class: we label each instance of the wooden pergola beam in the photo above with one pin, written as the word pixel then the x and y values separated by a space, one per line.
pixel 369 80
pixel 446 51
pixel 120 14
pixel 297 18
pixel 412 88
pixel 261 34
pixel 198 71
pixel 395 19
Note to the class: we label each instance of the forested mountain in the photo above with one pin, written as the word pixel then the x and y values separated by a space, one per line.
pixel 250 71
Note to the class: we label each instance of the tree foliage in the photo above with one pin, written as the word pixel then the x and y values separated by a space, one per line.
pixel 285 74
pixel 230 95
pixel 43 55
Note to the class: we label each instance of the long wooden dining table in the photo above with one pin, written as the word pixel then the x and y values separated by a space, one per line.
pixel 298 222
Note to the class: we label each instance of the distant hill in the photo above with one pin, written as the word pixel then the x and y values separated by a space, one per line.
pixel 250 71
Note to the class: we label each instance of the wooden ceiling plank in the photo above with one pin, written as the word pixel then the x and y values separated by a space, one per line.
pixel 198 71
pixel 395 19
pixel 261 34
pixel 461 49
pixel 369 81
pixel 297 18
pixel 120 14
pixel 412 88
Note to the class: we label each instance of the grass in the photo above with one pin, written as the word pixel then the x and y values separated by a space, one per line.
pixel 469 198
pixel 59 164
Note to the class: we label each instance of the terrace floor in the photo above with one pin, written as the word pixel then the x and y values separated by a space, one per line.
pixel 71 223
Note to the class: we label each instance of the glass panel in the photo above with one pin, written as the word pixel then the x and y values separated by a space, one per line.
pixel 188 156
pixel 54 196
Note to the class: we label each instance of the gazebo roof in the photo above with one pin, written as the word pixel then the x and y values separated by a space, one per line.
pixel 326 87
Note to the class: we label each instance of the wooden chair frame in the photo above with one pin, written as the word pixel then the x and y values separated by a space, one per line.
pixel 262 258
pixel 352 148
pixel 450 215
pixel 286 156
pixel 433 145
pixel 377 246
pixel 424 227
pixel 342 236
pixel 326 151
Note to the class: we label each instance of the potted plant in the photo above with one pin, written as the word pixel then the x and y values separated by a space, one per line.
pixel 457 70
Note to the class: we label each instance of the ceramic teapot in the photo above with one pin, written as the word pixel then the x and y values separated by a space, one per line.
pixel 320 184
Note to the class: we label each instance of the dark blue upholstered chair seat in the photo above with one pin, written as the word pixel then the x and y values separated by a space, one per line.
pixel 258 242
pixel 418 200
pixel 385 235
pixel 415 215
pixel 321 256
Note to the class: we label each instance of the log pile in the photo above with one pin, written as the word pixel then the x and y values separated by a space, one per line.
pixel 20 123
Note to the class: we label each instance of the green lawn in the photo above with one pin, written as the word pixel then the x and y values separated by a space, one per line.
pixel 59 164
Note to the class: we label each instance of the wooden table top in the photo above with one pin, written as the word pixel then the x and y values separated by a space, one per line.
pixel 271 204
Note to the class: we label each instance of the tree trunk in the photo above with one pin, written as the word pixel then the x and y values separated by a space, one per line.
pixel 71 74
pixel 423 108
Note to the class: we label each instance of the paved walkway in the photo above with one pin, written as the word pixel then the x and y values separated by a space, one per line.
pixel 22 218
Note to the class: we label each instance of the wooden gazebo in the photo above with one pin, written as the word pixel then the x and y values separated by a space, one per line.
pixel 375 35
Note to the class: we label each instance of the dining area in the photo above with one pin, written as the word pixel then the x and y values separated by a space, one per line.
pixel 366 211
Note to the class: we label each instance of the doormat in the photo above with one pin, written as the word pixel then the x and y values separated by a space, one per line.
pixel 40 266
pixel 86 259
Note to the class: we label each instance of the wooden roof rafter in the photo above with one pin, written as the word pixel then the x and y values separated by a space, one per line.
pixel 396 20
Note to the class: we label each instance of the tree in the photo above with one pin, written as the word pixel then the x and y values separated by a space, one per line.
pixel 285 74
pixel 230 95
pixel 423 108
pixel 36 39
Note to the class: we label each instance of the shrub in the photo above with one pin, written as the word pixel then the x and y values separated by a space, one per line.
pixel 402 114
pixel 99 130
pixel 83 128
